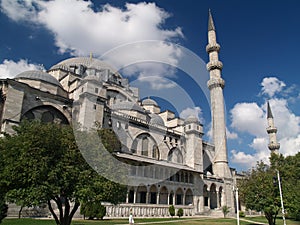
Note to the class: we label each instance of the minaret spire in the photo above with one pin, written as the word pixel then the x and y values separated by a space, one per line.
pixel 269 113
pixel 272 130
pixel 211 25
pixel 216 85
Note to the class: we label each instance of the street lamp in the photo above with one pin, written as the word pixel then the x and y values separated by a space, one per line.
pixel 280 192
pixel 236 190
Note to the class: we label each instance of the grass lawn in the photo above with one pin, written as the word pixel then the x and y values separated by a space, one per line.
pixel 164 221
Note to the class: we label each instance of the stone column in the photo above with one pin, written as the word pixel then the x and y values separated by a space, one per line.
pixel 157 198
pixel 168 198
pixel 147 197
pixel 208 197
pixel 127 196
pixel 134 196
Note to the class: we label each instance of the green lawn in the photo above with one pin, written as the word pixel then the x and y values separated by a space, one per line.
pixel 164 221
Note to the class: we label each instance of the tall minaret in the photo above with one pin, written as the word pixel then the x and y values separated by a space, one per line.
pixel 216 85
pixel 272 130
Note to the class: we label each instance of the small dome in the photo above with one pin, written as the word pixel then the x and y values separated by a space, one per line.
pixel 126 105
pixel 149 101
pixel 191 119
pixel 84 61
pixel 38 75
pixel 156 120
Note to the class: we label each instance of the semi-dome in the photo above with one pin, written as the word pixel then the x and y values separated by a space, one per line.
pixel 87 62
pixel 149 101
pixel 156 120
pixel 39 76
pixel 191 119
pixel 126 105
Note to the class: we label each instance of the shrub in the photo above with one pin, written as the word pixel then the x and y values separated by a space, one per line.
pixel 225 210
pixel 172 210
pixel 180 212
pixel 93 210
pixel 242 214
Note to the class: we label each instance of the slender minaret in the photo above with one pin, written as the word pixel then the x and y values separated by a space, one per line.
pixel 272 130
pixel 216 85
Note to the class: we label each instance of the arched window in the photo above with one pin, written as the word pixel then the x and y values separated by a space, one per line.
pixel 175 155
pixel 155 152
pixel 145 143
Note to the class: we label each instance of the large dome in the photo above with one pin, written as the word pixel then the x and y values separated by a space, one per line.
pixel 84 61
pixel 39 76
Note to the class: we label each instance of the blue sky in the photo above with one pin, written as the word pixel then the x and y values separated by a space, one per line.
pixel 259 49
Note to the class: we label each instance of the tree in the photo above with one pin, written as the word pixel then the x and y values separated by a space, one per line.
pixel 225 210
pixel 289 169
pixel 44 165
pixel 3 209
pixel 258 192
pixel 172 210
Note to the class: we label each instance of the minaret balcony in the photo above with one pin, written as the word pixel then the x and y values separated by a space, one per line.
pixel 212 83
pixel 213 47
pixel 274 146
pixel 271 130
pixel 214 65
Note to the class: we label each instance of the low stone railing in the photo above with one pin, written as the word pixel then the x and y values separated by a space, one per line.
pixel 144 210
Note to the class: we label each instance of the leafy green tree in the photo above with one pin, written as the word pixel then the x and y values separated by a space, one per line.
pixel 289 169
pixel 3 209
pixel 44 165
pixel 172 210
pixel 258 192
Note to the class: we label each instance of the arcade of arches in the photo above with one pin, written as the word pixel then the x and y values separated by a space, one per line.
pixel 163 195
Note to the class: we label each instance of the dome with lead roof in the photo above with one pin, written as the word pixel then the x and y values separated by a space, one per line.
pixel 149 101
pixel 191 119
pixel 39 76
pixel 156 120
pixel 71 63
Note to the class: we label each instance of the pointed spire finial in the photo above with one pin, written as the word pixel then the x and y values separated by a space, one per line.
pixel 211 25
pixel 269 112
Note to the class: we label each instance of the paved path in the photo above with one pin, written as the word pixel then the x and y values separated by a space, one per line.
pixel 205 218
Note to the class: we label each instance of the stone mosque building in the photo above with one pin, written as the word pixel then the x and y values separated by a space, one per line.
pixel 198 179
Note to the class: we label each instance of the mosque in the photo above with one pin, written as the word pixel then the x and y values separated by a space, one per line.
pixel 177 167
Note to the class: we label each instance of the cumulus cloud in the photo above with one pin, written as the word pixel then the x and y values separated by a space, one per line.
pixel 10 68
pixel 248 117
pixel 79 29
pixel 251 118
pixel 271 85
pixel 195 111
pixel 242 158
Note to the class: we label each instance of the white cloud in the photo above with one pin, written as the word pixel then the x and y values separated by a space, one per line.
pixel 271 85
pixel 248 117
pixel 242 158
pixel 80 29
pixel 195 111
pixel 9 68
